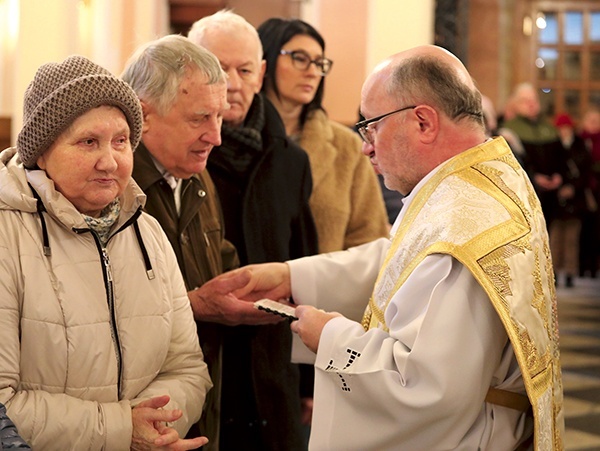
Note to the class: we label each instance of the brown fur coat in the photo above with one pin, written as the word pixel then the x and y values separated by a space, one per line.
pixel 346 200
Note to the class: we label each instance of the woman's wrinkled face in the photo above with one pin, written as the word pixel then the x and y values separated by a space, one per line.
pixel 92 160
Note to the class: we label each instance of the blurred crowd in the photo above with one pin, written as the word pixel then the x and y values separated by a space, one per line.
pixel 561 155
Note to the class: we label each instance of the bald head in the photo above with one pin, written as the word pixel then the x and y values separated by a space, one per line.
pixel 448 58
pixel 434 52
pixel 429 74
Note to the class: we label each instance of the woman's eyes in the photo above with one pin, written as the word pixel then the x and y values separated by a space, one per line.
pixel 301 58
pixel 88 141
pixel 91 142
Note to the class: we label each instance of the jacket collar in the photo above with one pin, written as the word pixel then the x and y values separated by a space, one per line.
pixel 145 171
pixel 318 142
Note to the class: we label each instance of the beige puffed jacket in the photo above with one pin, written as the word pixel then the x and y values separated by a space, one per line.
pixel 346 201
pixel 87 332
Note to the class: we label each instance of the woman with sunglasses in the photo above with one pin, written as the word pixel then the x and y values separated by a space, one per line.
pixel 346 201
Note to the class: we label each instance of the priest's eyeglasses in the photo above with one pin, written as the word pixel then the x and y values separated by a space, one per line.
pixel 365 129
pixel 301 60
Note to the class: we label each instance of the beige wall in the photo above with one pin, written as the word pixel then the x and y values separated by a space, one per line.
pixel 344 28
pixel 257 11
pixel 106 31
pixel 9 18
pixel 43 35
pixel 358 33
pixel 398 25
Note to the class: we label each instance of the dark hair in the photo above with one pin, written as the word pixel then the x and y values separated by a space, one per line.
pixel 429 80
pixel 274 33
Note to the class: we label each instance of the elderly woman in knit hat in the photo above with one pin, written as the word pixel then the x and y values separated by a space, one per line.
pixel 99 346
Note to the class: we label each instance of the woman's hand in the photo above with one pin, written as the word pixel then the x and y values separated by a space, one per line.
pixel 150 431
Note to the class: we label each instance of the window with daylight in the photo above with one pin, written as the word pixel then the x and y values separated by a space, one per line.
pixel 567 55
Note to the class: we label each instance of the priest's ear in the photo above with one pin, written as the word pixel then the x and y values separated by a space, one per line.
pixel 429 123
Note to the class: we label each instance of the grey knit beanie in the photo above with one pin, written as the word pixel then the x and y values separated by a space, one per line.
pixel 60 93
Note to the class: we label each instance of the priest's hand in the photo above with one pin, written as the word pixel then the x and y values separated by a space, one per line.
pixel 267 280
pixel 214 302
pixel 310 324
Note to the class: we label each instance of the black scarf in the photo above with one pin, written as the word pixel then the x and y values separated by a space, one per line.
pixel 240 145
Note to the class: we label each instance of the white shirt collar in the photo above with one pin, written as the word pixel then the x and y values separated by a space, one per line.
pixel 173 182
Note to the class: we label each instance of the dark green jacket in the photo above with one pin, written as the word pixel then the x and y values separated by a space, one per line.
pixel 543 155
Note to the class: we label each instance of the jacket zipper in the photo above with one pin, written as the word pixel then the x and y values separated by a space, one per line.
pixel 110 299
pixel 113 317
pixel 110 296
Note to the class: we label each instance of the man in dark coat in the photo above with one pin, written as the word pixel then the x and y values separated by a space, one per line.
pixel 183 93
pixel 264 183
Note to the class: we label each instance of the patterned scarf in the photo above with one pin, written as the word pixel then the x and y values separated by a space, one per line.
pixel 104 223
pixel 240 145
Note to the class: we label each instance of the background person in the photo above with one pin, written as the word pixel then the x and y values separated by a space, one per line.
pixel 572 201
pixel 99 349
pixel 492 128
pixel 543 158
pixel 589 256
pixel 346 201
pixel 466 281
pixel 264 184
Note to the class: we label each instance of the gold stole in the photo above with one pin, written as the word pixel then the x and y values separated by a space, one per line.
pixel 498 233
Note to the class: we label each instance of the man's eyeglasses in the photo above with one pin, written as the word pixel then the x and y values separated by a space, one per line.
pixel 301 60
pixel 367 133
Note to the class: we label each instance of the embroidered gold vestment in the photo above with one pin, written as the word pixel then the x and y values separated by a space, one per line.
pixel 481 209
